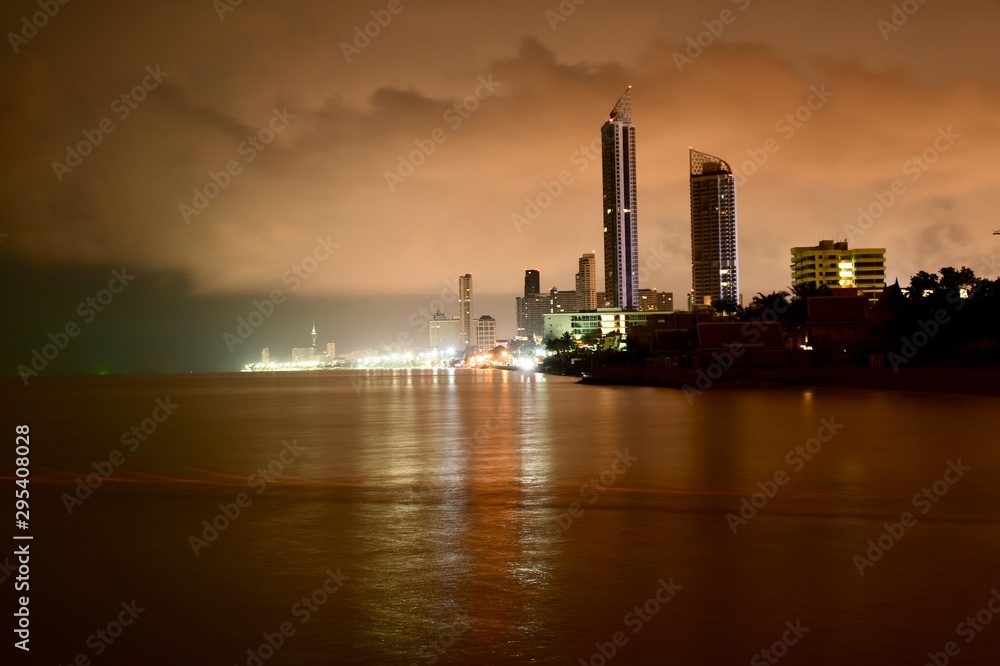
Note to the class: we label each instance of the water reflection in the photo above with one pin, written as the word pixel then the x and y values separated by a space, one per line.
pixel 436 491
pixel 451 479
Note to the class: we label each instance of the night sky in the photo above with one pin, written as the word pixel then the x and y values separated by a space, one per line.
pixel 208 149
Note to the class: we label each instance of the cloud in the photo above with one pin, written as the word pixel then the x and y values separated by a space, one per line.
pixel 325 173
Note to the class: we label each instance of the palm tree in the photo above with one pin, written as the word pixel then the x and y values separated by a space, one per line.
pixel 560 345
pixel 777 302
pixel 807 289
pixel 592 338
pixel 798 311
pixel 725 307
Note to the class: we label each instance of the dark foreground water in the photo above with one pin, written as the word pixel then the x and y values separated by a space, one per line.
pixel 485 517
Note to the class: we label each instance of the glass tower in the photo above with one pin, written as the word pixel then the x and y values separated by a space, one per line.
pixel 621 240
pixel 714 274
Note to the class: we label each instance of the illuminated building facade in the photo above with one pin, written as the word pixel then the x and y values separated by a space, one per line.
pixel 530 309
pixel 835 265
pixel 486 333
pixel 303 355
pixel 605 321
pixel 562 301
pixel 665 301
pixel 465 309
pixel 714 256
pixel 620 214
pixel 445 333
pixel 586 283
pixel 651 300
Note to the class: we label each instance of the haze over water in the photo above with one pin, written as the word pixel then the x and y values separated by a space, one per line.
pixel 445 499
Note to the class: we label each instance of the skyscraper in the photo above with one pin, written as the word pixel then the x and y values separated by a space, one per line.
pixel 465 308
pixel 530 306
pixel 563 301
pixel 621 241
pixel 530 309
pixel 532 282
pixel 714 262
pixel 586 283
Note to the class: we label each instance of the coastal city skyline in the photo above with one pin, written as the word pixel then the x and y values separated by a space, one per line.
pixel 258 206
pixel 542 317
pixel 332 332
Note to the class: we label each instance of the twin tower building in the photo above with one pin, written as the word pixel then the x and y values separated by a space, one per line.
pixel 714 262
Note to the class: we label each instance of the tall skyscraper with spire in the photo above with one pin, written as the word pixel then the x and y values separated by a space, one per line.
pixel 621 240
pixel 714 256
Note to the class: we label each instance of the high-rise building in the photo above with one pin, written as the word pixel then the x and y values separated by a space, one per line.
pixel 621 241
pixel 331 350
pixel 530 309
pixel 521 317
pixel 834 265
pixel 532 282
pixel 665 301
pixel 648 300
pixel 586 283
pixel 651 300
pixel 465 308
pixel 486 333
pixel 445 333
pixel 303 355
pixel 563 301
pixel 714 257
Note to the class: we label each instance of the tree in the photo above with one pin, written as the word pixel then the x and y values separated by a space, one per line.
pixel 955 313
pixel 806 290
pixel 921 284
pixel 798 312
pixel 560 345
pixel 957 280
pixel 725 307
pixel 777 302
pixel 592 338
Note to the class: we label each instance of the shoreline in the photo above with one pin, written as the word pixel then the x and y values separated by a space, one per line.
pixel 930 379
